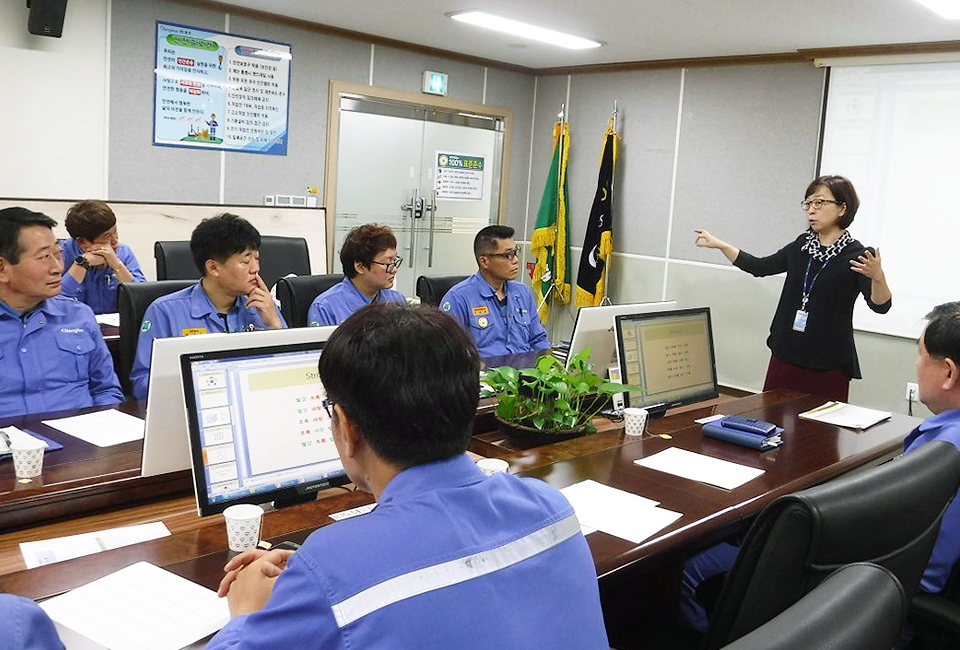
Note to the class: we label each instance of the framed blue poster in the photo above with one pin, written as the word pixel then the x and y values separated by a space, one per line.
pixel 220 91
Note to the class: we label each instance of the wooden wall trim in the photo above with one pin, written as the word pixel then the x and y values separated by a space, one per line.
pixel 879 50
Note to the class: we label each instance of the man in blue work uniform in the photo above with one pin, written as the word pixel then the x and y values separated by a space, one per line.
pixel 938 377
pixel 370 263
pixel 499 312
pixel 230 297
pixel 52 355
pixel 95 262
pixel 448 558
pixel 25 626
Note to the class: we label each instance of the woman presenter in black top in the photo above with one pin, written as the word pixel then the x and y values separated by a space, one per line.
pixel 811 337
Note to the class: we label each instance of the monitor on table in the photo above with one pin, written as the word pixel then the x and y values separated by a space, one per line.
pixel 670 354
pixel 594 329
pixel 166 446
pixel 258 427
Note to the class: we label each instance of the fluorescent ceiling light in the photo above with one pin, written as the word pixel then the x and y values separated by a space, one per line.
pixel 949 9
pixel 525 30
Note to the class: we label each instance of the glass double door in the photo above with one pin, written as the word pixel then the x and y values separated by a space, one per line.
pixel 430 175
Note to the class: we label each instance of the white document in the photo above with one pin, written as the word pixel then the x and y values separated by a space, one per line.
pixel 698 467
pixel 615 512
pixel 58 549
pixel 353 512
pixel 109 319
pixel 710 418
pixel 141 607
pixel 101 428
pixel 845 415
pixel 16 434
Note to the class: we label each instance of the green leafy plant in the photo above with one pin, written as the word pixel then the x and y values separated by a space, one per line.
pixel 550 397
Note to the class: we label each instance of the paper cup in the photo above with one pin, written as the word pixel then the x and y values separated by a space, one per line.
pixel 491 466
pixel 634 421
pixel 27 457
pixel 243 526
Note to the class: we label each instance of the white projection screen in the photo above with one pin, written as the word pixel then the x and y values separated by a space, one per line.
pixel 894 130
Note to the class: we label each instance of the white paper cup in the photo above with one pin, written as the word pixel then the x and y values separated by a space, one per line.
pixel 491 466
pixel 27 457
pixel 634 421
pixel 243 526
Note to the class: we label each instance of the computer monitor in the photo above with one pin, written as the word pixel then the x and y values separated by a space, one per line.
pixel 670 354
pixel 594 329
pixel 166 446
pixel 259 430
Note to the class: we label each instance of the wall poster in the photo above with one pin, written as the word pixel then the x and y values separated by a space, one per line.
pixel 220 91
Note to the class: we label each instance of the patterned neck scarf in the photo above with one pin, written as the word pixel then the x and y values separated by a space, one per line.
pixel 823 254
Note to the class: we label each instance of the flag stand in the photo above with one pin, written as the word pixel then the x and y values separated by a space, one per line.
pixel 613 179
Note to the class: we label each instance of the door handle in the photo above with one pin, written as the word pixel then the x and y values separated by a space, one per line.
pixel 415 208
pixel 433 215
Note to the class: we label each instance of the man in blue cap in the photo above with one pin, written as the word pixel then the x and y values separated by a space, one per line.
pixel 52 355
pixel 499 313
pixel 230 297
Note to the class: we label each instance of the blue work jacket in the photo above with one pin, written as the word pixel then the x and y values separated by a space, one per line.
pixel 53 359
pixel 335 305
pixel 182 313
pixel 99 286
pixel 496 329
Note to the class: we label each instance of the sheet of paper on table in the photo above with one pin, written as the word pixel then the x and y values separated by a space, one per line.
pixel 698 467
pixel 616 512
pixel 109 319
pixel 140 607
pixel 58 549
pixel 101 428
pixel 840 414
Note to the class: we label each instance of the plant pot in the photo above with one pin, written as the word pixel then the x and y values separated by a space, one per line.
pixel 524 436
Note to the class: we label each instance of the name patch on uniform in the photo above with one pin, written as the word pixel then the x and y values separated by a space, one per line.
pixel 193 330
pixel 145 326
pixel 446 306
pixel 72 330
pixel 482 322
pixel 480 311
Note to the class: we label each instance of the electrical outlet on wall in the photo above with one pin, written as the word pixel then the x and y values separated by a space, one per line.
pixel 913 391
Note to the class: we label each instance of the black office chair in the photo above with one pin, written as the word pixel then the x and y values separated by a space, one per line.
pixel 133 298
pixel 889 515
pixel 936 617
pixel 281 256
pixel 858 607
pixel 431 289
pixel 175 261
pixel 296 294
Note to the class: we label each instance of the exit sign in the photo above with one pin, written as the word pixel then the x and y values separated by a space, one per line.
pixel 434 83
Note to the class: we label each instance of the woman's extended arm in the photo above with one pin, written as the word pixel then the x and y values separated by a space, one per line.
pixel 706 240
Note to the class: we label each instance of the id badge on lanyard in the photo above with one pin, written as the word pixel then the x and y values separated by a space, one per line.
pixel 800 318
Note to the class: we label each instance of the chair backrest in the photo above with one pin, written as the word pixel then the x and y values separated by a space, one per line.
pixel 296 294
pixel 175 261
pixel 431 289
pixel 858 607
pixel 133 298
pixel 889 515
pixel 280 256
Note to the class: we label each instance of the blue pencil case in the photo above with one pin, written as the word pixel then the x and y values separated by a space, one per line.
pixel 760 442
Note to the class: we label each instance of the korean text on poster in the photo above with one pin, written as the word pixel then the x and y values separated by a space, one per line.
pixel 220 91
pixel 459 177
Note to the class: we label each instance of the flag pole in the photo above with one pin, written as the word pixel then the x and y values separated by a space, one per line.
pixel 613 179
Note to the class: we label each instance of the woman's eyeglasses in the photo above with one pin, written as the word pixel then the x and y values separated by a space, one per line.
pixel 817 203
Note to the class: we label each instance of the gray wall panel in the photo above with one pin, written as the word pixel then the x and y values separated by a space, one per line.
pixel 403 70
pixel 317 58
pixel 647 102
pixel 748 148
pixel 140 171
pixel 514 89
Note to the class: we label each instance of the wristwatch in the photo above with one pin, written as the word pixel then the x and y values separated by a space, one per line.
pixel 82 262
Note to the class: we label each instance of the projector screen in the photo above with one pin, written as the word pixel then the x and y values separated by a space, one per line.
pixel 894 130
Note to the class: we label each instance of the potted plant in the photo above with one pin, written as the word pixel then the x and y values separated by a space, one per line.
pixel 548 402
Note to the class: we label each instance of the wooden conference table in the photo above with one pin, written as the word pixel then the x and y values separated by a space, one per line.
pixel 812 453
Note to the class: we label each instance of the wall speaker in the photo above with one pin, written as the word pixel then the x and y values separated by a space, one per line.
pixel 46 17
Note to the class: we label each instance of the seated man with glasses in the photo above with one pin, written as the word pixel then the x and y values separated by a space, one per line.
pixel 370 264
pixel 499 313
pixel 449 558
